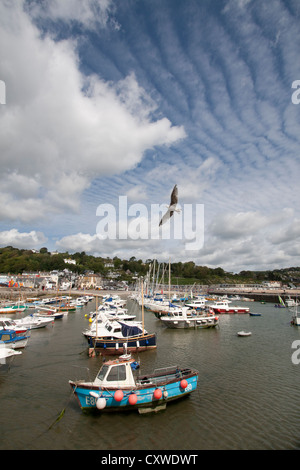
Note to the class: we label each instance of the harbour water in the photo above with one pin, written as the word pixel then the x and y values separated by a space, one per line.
pixel 247 397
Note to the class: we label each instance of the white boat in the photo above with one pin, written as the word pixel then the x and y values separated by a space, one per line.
pixel 160 305
pixel 119 314
pixel 102 326
pixel 79 302
pixel 244 333
pixel 162 308
pixel 222 306
pixel 32 322
pixel 111 337
pixel 114 300
pixel 10 324
pixel 50 313
pixel 197 304
pixel 291 302
pixel 295 319
pixel 6 354
pixel 187 318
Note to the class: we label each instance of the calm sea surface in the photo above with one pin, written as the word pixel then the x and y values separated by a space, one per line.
pixel 247 397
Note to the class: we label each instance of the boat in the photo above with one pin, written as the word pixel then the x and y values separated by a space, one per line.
pixel 295 319
pixel 69 307
pixel 114 300
pixel 119 386
pixel 7 354
pixel 281 303
pixel 222 306
pixel 291 302
pixel 99 323
pixel 187 318
pixel 9 324
pixel 167 309
pixel 50 313
pixel 197 304
pixel 113 337
pixel 158 306
pixel 112 313
pixel 13 309
pixel 32 322
pixel 254 314
pixel 244 333
pixel 12 340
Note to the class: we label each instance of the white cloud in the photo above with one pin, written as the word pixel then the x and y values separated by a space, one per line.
pixel 137 193
pixel 236 225
pixel 290 233
pixel 59 129
pixel 22 240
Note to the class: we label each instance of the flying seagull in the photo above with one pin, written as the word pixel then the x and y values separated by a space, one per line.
pixel 172 206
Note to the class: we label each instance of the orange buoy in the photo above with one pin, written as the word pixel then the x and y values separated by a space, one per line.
pixel 118 395
pixel 157 393
pixel 132 399
pixel 183 383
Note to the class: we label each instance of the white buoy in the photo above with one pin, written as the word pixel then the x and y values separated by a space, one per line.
pixel 101 403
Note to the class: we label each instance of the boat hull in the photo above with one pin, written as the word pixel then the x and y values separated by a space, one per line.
pixel 220 310
pixel 16 343
pixel 7 355
pixel 145 395
pixel 38 324
pixel 118 346
pixel 15 309
pixel 190 323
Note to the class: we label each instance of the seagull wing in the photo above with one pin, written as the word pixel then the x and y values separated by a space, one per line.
pixel 172 206
pixel 165 217
pixel 174 196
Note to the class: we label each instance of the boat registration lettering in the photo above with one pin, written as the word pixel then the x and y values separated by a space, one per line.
pixel 90 401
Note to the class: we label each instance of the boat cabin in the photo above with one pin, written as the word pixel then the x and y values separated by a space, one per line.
pixel 117 373
pixel 198 303
pixel 113 327
pixel 6 323
pixel 8 336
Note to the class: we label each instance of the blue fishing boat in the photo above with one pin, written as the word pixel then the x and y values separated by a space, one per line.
pixel 119 386
pixel 12 339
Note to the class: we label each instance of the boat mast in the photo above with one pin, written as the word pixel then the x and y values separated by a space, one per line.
pixel 143 304
pixel 169 280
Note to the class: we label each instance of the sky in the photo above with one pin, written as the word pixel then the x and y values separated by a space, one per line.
pixel 106 101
